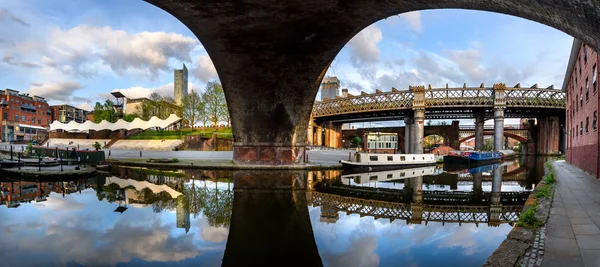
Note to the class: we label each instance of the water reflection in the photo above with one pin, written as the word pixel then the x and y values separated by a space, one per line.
pixel 213 218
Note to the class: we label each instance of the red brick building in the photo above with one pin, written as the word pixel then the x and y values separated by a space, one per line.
pixel 22 116
pixel 582 108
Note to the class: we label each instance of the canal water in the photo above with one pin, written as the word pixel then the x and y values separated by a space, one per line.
pixel 147 217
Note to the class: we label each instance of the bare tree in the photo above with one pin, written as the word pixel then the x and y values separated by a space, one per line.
pixel 215 104
pixel 192 107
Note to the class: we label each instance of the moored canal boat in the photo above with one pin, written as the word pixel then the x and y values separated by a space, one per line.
pixel 381 162
pixel 472 158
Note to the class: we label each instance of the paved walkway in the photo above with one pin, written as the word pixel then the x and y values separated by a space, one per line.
pixel 573 229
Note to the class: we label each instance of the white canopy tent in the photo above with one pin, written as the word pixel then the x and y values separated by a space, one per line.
pixel 137 123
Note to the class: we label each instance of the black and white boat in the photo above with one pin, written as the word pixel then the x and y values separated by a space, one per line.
pixel 381 162
pixel 387 176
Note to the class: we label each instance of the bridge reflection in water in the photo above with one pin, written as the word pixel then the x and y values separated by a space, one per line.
pixel 274 217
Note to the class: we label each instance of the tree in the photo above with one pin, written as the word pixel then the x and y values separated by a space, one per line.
pixel 215 104
pixel 192 105
pixel 104 111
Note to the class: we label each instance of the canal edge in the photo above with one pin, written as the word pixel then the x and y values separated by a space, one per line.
pixel 221 166
pixel 525 245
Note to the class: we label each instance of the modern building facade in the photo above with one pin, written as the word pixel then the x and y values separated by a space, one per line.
pixel 65 113
pixel 330 88
pixel 381 143
pixel 180 85
pixel 581 85
pixel 22 116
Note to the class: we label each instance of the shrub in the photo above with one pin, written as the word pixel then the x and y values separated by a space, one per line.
pixel 527 218
pixel 549 178
pixel 97 146
pixel 544 191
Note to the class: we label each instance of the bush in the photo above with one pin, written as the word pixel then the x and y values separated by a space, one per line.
pixel 544 191
pixel 527 218
pixel 97 146
pixel 175 160
pixel 549 178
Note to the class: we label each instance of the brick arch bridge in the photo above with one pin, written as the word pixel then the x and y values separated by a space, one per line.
pixel 279 51
pixel 517 137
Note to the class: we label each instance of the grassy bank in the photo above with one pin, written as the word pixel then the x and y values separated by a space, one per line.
pixel 221 132
pixel 544 191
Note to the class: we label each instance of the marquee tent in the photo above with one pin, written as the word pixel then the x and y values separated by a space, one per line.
pixel 137 123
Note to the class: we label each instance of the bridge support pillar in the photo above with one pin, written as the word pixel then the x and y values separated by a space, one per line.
pixel 479 120
pixel 416 206
pixel 495 200
pixel 408 128
pixel 498 129
pixel 319 136
pixel 282 198
pixel 418 131
pixel 548 138
pixel 477 187
pixel 333 135
pixel 310 135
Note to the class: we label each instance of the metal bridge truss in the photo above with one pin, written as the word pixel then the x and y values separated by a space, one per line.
pixel 404 211
pixel 444 102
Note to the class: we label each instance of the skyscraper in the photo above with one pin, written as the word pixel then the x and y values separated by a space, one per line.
pixel 181 85
pixel 330 88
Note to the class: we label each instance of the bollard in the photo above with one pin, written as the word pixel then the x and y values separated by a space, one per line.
pixel 19 162
pixel 61 168
pixel 11 153
pixel 39 163
pixel 349 156
pixel 140 153
pixel 109 153
pixel 56 152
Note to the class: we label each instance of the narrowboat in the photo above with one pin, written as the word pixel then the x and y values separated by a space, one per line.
pixel 472 158
pixel 381 162
pixel 383 176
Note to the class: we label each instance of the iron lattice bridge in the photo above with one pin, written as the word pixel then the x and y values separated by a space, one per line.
pixel 431 197
pixel 405 211
pixel 442 103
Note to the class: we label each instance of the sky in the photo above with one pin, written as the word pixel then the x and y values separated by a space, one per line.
pixel 78 52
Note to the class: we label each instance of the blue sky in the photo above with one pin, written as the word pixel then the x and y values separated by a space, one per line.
pixel 78 52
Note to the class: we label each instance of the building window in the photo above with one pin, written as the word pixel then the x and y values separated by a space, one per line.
pixel 32 120
pixel 576 130
pixel 581 128
pixel 39 121
pixel 595 120
pixel 594 77
pixel 22 117
pixel 587 89
pixel 584 54
pixel 587 124
pixel 16 117
pixel 581 97
pixel 5 116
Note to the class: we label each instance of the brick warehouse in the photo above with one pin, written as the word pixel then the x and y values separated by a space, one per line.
pixel 22 116
pixel 583 137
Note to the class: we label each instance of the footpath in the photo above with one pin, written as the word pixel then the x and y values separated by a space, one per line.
pixel 573 229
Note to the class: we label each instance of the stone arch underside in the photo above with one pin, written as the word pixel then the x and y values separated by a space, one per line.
pixel 271 55
pixel 519 138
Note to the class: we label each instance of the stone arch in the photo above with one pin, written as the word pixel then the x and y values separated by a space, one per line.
pixel 519 138
pixel 272 55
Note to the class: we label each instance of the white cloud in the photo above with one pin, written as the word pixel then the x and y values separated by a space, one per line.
pixel 86 106
pixel 59 91
pixel 140 91
pixel 413 19
pixel 364 51
pixel 205 70
pixel 85 50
